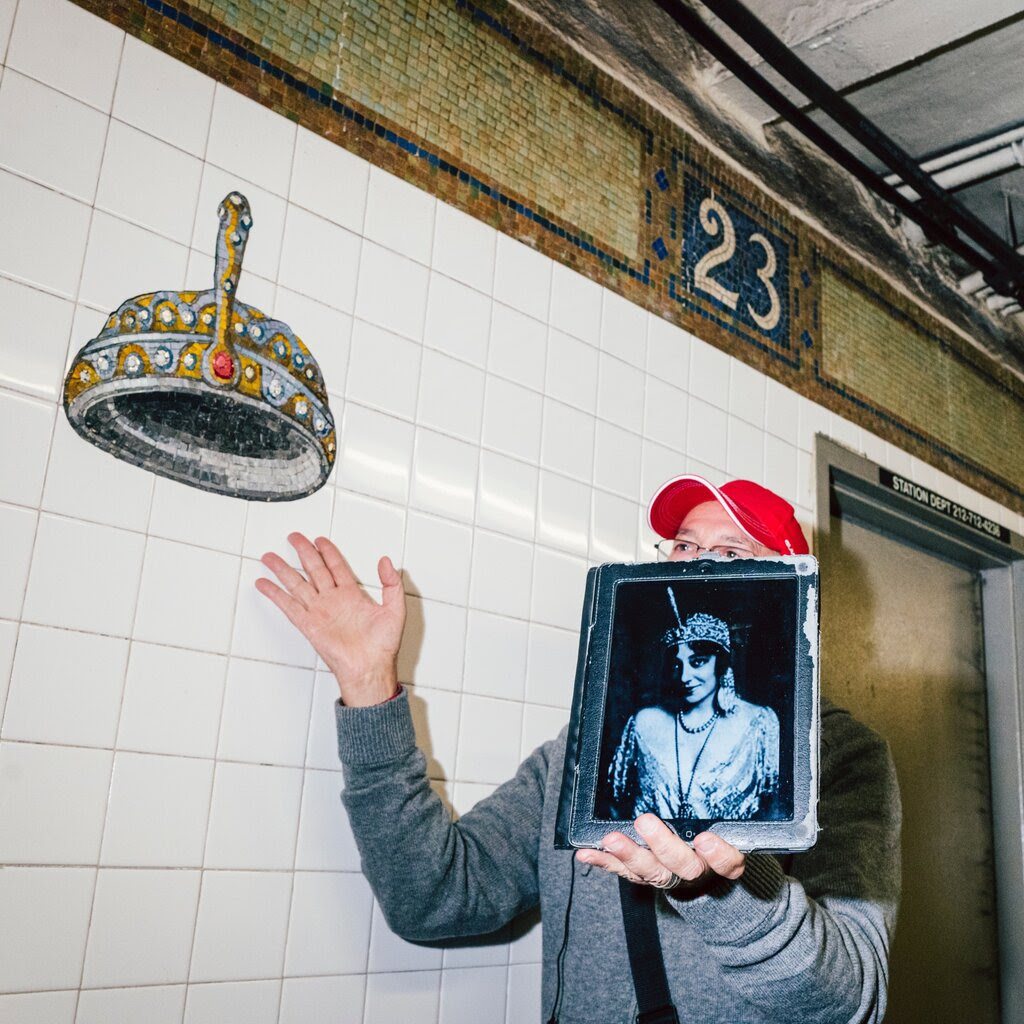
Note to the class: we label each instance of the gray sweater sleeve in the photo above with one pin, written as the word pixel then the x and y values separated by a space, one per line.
pixel 817 939
pixel 435 878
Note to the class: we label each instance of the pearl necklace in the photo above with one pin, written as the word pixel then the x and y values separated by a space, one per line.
pixel 700 728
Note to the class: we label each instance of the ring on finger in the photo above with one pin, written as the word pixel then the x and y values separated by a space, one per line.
pixel 670 883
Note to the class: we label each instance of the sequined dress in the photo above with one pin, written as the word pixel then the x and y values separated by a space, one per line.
pixel 734 774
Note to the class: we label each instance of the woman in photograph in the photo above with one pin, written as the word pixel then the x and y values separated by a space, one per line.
pixel 702 752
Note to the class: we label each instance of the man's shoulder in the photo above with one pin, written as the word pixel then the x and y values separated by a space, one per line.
pixel 845 736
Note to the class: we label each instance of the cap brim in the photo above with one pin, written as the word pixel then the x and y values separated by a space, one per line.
pixel 676 498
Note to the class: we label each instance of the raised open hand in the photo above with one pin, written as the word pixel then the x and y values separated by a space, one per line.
pixel 357 638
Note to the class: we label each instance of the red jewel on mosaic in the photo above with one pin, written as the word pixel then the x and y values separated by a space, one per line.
pixel 223 365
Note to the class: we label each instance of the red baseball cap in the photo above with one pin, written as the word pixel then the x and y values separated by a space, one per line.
pixel 761 514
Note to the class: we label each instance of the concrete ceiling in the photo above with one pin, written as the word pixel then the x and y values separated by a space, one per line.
pixel 934 75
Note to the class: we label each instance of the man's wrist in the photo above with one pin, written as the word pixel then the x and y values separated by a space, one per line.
pixel 369 690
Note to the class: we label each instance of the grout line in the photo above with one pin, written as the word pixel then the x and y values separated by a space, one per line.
pixel 295 845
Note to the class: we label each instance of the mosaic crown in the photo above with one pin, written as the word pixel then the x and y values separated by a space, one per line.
pixel 201 388
pixel 700 626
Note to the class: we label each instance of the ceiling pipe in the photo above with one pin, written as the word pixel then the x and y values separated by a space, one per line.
pixel 953 175
pixel 974 284
pixel 965 153
pixel 942 217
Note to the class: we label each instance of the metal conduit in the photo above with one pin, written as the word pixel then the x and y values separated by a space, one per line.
pixel 941 216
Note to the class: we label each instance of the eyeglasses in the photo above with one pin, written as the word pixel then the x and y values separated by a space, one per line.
pixel 686 549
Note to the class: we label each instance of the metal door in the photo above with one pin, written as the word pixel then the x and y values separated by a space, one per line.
pixel 902 649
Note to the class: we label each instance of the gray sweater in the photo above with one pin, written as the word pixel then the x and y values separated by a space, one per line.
pixel 808 945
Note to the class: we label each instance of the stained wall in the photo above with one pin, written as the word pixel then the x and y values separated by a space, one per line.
pixel 172 844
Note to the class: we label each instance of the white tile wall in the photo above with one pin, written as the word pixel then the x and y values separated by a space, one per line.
pixel 124 259
pixel 163 97
pixel 36 122
pixel 65 688
pixel 623 329
pixel 30 216
pixel 141 928
pixel 518 347
pixel 46 920
pixel 34 340
pixel 235 1002
pixel 157 811
pixel 392 291
pixel 254 817
pixel 305 999
pixel 325 840
pixel 237 117
pixel 18 528
pixel 52 800
pixel 433 645
pixel 404 995
pixel 496 648
pixel 389 952
pixel 466 995
pixel 155 1004
pixel 451 396
pixel 319 167
pixel 38 1008
pixel 172 701
pixel 321 939
pixel 571 373
pixel 458 318
pixel 67 48
pixel 464 248
pixel 173 842
pixel 7 9
pixel 197 613
pixel 399 216
pixel 83 482
pixel 8 638
pixel 242 925
pixel 383 370
pixel 31 422
pixel 319 258
pixel 172 174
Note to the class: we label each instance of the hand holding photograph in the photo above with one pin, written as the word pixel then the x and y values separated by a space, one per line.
pixel 697 699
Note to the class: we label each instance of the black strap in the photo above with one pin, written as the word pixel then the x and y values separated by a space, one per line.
pixel 653 1000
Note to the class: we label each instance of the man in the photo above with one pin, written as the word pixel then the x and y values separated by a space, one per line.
pixel 743 940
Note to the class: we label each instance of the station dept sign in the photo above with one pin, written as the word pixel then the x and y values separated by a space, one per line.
pixel 944 506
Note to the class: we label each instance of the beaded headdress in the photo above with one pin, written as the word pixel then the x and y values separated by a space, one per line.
pixel 699 626
pixel 206 390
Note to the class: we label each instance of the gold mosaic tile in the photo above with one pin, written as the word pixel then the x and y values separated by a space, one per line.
pixel 451 80
pixel 937 388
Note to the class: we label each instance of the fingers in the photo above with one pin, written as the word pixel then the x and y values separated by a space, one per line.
pixel 723 858
pixel 392 587
pixel 669 849
pixel 621 856
pixel 292 608
pixel 312 561
pixel 335 562
pixel 668 860
pixel 294 582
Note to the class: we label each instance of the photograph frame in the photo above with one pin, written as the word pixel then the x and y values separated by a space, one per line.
pixel 630 615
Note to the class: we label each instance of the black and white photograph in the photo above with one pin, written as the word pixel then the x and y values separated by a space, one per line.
pixel 697 699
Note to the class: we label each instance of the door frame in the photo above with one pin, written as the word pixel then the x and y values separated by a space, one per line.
pixel 849 486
